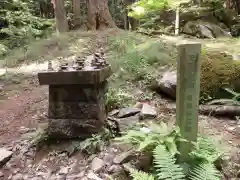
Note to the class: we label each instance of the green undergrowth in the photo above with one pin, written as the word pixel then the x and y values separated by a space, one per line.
pixel 72 43
pixel 135 59
pixel 203 163
pixel 138 58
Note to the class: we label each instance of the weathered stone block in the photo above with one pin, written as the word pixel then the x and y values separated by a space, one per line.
pixel 73 128
pixel 76 110
pixel 76 102
pixel 86 93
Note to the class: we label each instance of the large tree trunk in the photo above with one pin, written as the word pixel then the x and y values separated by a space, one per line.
pixel 234 5
pixel 60 16
pixel 76 13
pixel 99 16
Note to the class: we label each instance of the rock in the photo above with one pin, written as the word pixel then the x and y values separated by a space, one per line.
pixel 114 168
pixel 97 165
pixel 5 156
pixel 93 176
pixel 200 31
pixel 17 177
pixel 108 158
pixel 118 173
pixel 126 112
pixel 167 83
pixel 73 128
pixel 84 178
pixel 143 161
pixel 127 123
pixel 63 170
pixel 128 166
pixel 236 56
pixel 124 157
pixel 203 29
pixel 148 112
pixel 75 176
pixel 124 147
pixel 237 130
pixel 145 130
pixel 113 112
pixel 90 158
pixel 138 105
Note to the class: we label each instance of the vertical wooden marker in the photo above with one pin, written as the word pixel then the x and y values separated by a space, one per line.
pixel 188 91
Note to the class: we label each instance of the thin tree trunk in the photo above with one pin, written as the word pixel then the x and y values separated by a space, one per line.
pixel 60 16
pixel 99 16
pixel 177 21
pixel 76 13
pixel 234 5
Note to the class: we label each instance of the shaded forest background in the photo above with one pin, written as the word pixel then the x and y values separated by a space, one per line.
pixel 23 21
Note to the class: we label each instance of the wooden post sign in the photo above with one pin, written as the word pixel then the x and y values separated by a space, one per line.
pixel 188 91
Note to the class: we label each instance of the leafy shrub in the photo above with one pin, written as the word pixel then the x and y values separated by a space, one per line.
pixel 18 25
pixel 116 98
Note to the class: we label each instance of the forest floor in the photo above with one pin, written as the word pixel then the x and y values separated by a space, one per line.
pixel 23 109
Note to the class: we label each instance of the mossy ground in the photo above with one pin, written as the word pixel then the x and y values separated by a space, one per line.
pixel 217 71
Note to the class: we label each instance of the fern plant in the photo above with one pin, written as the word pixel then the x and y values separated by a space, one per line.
pixel 162 141
pixel 165 164
pixel 140 175
pixel 204 171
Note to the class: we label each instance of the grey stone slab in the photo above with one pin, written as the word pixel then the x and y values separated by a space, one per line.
pixel 129 111
pixel 5 156
pixel 74 77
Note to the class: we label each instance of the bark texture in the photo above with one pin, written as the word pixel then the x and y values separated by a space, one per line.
pixel 99 16
pixel 60 16
pixel 76 12
pixel 129 21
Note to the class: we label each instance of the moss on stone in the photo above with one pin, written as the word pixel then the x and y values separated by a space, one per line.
pixel 217 71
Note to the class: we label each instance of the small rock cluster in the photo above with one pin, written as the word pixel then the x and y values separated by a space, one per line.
pixel 21 162
pixel 115 163
pixel 128 117
pixel 97 61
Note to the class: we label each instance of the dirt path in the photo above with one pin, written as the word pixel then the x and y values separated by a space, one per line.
pixel 22 111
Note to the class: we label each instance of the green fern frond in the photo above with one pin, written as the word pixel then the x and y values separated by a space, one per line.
pixel 140 175
pixel 204 171
pixel 162 128
pixel 166 166
pixel 149 143
pixel 132 136
pixel 207 150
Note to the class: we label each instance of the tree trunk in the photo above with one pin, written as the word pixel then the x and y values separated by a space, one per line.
pixel 132 22
pixel 76 13
pixel 234 5
pixel 99 16
pixel 60 16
